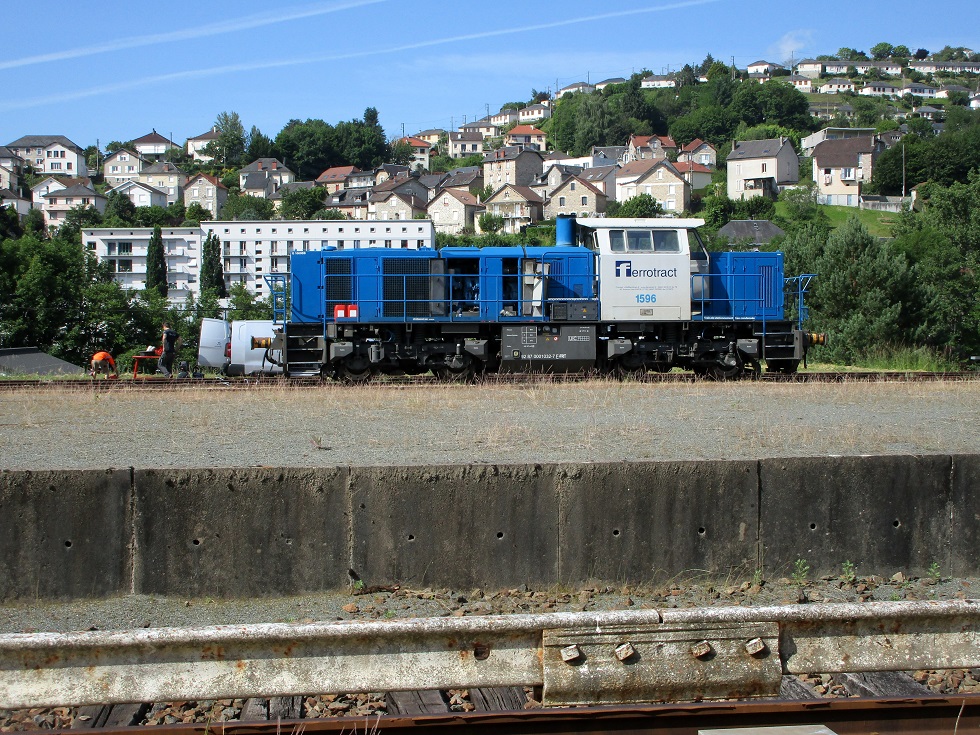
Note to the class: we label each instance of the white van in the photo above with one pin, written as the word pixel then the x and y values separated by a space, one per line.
pixel 227 346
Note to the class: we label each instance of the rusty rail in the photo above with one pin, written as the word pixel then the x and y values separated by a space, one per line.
pixel 578 658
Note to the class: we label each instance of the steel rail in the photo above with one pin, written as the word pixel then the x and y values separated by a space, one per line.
pixel 941 715
pixel 723 652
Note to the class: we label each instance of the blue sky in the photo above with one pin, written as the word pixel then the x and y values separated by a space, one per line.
pixel 111 71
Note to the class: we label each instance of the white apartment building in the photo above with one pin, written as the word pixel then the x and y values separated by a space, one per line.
pixel 124 248
pixel 250 250
pixel 50 154
pixel 254 249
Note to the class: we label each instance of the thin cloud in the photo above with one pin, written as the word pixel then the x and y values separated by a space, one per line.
pixel 242 24
pixel 789 46
pixel 282 63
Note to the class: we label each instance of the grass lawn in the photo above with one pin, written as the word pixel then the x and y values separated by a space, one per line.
pixel 879 224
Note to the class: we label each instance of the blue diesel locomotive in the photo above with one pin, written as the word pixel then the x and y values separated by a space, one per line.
pixel 623 296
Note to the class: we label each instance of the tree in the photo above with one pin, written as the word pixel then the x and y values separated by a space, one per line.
pixel 801 201
pixel 76 220
pixel 901 52
pixel 401 153
pixel 491 223
pixel 881 51
pixel 244 305
pixel 259 146
pixel 302 203
pixel 229 147
pixel 920 54
pixel 156 264
pixel 34 223
pixel 641 205
pixel 330 214
pixel 212 272
pixel 308 147
pixel 197 213
pixel 244 207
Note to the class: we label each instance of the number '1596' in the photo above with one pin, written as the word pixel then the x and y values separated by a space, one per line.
pixel 646 298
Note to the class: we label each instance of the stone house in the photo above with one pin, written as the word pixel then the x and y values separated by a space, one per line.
pixel 206 191
pixel 511 165
pixel 575 196
pixel 518 205
pixel 762 168
pixel 842 167
pixel 453 211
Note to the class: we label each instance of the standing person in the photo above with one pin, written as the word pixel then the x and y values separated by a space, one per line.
pixel 101 363
pixel 169 342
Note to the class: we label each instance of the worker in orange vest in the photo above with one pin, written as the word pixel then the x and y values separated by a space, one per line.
pixel 101 363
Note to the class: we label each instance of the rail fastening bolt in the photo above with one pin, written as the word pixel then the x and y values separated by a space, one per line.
pixel 755 646
pixel 570 653
pixel 625 651
pixel 701 649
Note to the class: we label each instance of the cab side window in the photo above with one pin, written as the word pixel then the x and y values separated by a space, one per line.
pixel 666 241
pixel 640 241
pixel 617 241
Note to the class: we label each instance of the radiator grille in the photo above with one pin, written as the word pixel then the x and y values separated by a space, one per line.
pixel 338 287
pixel 406 287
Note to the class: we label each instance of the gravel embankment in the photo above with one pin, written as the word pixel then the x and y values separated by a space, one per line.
pixel 376 425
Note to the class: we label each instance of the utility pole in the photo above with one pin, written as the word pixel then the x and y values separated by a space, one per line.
pixel 733 68
pixel 403 130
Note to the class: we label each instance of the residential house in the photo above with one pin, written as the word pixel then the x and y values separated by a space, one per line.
pixel 841 168
pixel 658 81
pixel 761 168
pixel 206 191
pixel 124 251
pixel 352 203
pixel 122 166
pixel 837 67
pixel 197 144
pixel 754 231
pixel 599 86
pixel 919 90
pixel 421 151
pixel 335 178
pixel 359 180
pixel 664 183
pixel 810 142
pixel 462 145
pixel 800 83
pixel 53 184
pixel 140 194
pixel 511 165
pixel 763 68
pixel 11 169
pixel 650 146
pixel 589 161
pixel 554 175
pixel 57 204
pixel 483 126
pixel 810 68
pixel 527 136
pixel 602 178
pixel 700 152
pixel 943 92
pixel 452 211
pixel 533 113
pixel 696 174
pixel 518 205
pixel 432 183
pixel 575 196
pixel 506 116
pixel 50 154
pixel 431 136
pixel 15 201
pixel 928 112
pixel 392 205
pixel 388 171
pixel 166 177
pixel 576 87
pixel 949 67
pixel 975 102
pixel 466 178
pixel 407 185
pixel 619 153
pixel 837 85
pixel 263 177
pixel 879 89
pixel 153 146
pixel 887 68
pixel 628 174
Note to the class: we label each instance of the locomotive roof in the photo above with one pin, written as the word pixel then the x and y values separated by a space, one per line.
pixel 660 223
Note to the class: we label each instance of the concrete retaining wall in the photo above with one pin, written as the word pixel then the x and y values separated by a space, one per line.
pixel 278 531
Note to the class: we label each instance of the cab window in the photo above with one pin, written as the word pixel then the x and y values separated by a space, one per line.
pixel 666 241
pixel 617 241
pixel 639 241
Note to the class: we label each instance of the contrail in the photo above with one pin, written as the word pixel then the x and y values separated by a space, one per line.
pixel 281 63
pixel 242 24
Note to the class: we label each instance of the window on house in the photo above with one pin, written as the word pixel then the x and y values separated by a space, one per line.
pixel 125 248
pixel 585 201
pixel 561 201
pixel 125 266
pixel 763 168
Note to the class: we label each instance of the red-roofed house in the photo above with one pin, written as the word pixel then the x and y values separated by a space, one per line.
pixel 699 151
pixel 518 205
pixel 420 152
pixel 527 136
pixel 207 191
pixel 650 146
pixel 696 174
pixel 334 178
pixel 153 145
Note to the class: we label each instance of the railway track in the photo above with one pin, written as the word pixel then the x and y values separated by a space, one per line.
pixel 750 661
pixel 258 383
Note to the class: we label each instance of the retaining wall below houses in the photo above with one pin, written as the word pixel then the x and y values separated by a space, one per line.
pixel 279 531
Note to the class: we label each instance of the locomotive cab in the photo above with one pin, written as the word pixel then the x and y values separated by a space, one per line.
pixel 645 267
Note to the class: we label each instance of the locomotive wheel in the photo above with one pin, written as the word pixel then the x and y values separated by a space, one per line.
pixel 718 371
pixel 460 374
pixel 355 370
